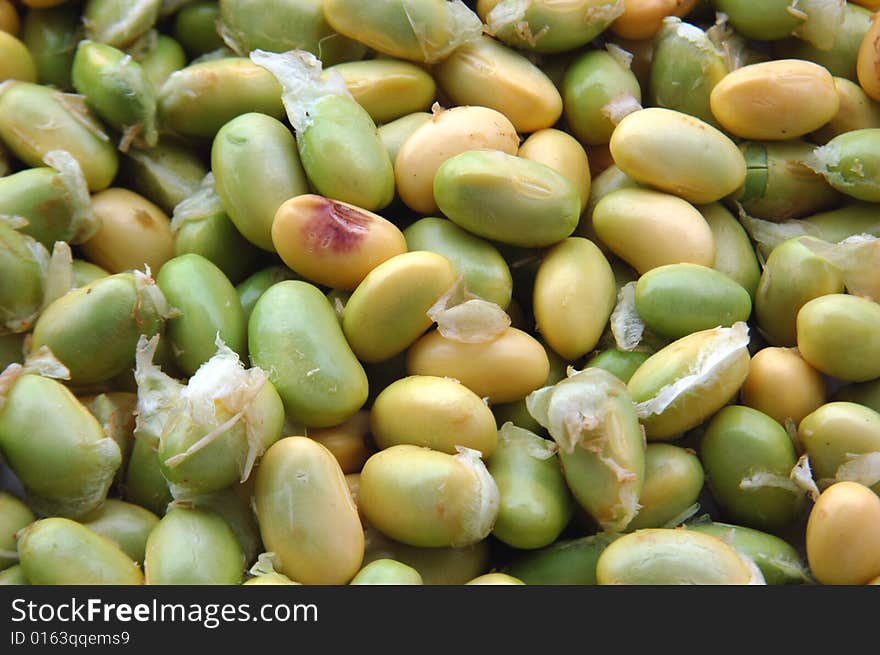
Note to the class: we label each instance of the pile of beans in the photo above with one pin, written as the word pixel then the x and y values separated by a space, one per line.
pixel 427 292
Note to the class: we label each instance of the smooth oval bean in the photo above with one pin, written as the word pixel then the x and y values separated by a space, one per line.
pixel 193 547
pixel 388 310
pixel 856 112
pixel 667 557
pixel 433 412
pixel 535 503
pixel 679 154
pixel 250 191
pixel 51 36
pixel 339 124
pixel 14 575
pixel 195 27
pixel 386 88
pixel 620 363
pixel 486 73
pixel 293 333
pixel 333 243
pixel 22 282
pixel 448 133
pixel 306 514
pixel 867 61
pixel 250 290
pixel 648 229
pixel 797 97
pixel 843 535
pixel 564 562
pixel 495 579
pixel 678 299
pixel 437 566
pixel 673 481
pixel 782 385
pixel 161 60
pixel 395 133
pixel 209 307
pixel 426 498
pixel 58 551
pixel 642 19
pixel 574 295
pixel 16 62
pixel 741 450
pixel 144 484
pixel 839 335
pixel 503 370
pixel 507 198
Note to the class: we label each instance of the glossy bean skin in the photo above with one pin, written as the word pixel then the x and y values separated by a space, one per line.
pixel 58 551
pixel 209 307
pixel 535 504
pixel 251 194
pixel 388 310
pixel 387 572
pixel 573 297
pixel 321 383
pixel 503 370
pixel 674 478
pixel 427 498
pixel 782 385
pixel 507 198
pixel 679 299
pixel 433 412
pixel 306 514
pixel 671 230
pixel 192 547
pixel 707 166
pixel 674 557
pixel 843 533
pixel 838 334
pixel 331 242
pixel 739 445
